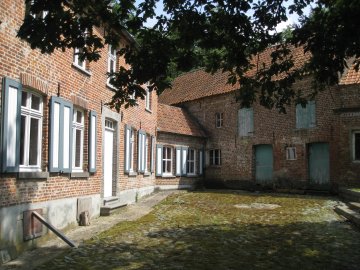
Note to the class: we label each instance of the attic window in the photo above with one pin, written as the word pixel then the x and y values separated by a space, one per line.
pixel 219 119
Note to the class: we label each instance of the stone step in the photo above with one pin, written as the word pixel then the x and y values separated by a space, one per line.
pixel 354 206
pixel 110 200
pixel 349 195
pixel 111 207
pixel 349 214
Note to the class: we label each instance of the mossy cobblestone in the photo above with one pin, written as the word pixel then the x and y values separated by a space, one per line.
pixel 204 230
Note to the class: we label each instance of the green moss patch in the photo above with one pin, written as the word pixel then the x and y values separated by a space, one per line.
pixel 205 230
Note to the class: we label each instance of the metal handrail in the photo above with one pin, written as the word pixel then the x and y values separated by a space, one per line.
pixel 54 230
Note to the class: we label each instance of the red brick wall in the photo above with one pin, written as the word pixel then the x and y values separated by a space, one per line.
pixel 45 73
pixel 270 127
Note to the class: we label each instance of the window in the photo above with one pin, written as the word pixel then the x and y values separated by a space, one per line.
pixel 246 121
pixel 78 140
pixel 215 157
pixel 305 117
pixel 167 160
pixel 219 119
pixel 290 153
pixel 39 15
pixel 77 61
pixel 148 100
pixel 112 59
pixel 356 145
pixel 30 131
pixel 191 163
pixel 132 145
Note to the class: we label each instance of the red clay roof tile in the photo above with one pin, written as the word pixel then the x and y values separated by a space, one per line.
pixel 177 120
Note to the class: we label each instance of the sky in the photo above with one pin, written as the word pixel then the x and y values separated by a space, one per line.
pixel 292 18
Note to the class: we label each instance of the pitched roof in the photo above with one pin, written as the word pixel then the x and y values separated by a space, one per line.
pixel 177 120
pixel 198 83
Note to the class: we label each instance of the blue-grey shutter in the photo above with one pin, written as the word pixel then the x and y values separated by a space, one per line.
pixel 311 113
pixel 250 113
pixel 60 154
pixel 92 141
pixel 201 162
pixel 246 121
pixel 178 167
pixel 159 150
pixel 10 125
pixel 141 151
pixel 299 116
pixel 152 163
pixel 184 157
pixel 127 148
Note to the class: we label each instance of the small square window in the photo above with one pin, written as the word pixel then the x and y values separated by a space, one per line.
pixel 219 119
pixel 215 157
pixel 291 153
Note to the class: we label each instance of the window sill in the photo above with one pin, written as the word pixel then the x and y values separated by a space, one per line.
pixel 192 175
pixel 81 69
pixel 79 175
pixel 148 110
pixel 168 176
pixel 132 174
pixel 147 173
pixel 108 85
pixel 33 175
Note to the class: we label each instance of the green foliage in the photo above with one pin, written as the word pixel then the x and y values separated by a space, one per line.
pixel 212 34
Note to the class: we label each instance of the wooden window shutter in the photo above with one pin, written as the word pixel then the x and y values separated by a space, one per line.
pixel 159 150
pixel 92 141
pixel 11 125
pixel 60 154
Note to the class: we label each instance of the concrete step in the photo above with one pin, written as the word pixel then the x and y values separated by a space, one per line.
pixel 354 206
pixel 349 214
pixel 349 195
pixel 106 210
pixel 110 200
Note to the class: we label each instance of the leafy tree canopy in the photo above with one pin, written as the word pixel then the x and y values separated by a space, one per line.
pixel 213 34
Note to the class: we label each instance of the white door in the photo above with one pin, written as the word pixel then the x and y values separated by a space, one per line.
pixel 108 158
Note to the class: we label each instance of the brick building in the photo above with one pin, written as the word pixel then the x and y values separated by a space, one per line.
pixel 316 147
pixel 63 151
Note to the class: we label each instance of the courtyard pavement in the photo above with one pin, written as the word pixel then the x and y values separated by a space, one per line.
pixel 47 251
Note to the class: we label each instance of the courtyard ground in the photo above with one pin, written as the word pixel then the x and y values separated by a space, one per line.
pixel 224 230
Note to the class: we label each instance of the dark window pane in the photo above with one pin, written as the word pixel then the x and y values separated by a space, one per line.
pixel 168 166
pixel 78 148
pixel 164 154
pixel 78 117
pixel 22 139
pixel 164 166
pixel 34 141
pixel 35 102
pixel 23 99
pixel 168 152
pixel 357 146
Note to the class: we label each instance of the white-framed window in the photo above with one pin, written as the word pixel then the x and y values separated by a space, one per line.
pixel 191 161
pixel 167 154
pixel 31 131
pixel 356 145
pixel 78 140
pixel 112 60
pixel 77 61
pixel 291 153
pixel 148 101
pixel 215 157
pixel 41 15
pixel 219 118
